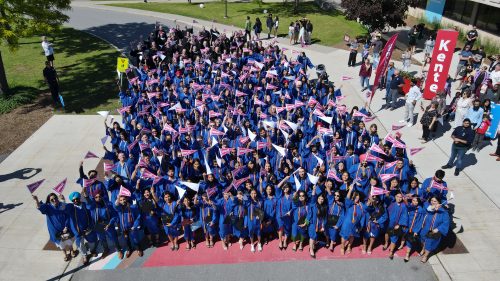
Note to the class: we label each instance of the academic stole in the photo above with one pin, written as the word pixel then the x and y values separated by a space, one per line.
pixel 76 219
pixel 97 213
pixel 413 220
pixel 354 212
pixel 300 212
pixel 129 217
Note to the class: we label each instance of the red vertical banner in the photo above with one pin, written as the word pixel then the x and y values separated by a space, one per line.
pixel 446 40
pixel 385 57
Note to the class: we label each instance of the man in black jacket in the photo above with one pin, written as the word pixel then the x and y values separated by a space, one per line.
pixel 462 139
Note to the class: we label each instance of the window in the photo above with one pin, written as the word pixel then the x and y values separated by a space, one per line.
pixel 488 19
pixel 459 10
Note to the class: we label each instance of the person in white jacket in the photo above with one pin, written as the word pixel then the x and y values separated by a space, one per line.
pixel 413 96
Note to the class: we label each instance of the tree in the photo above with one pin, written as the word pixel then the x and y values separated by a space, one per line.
pixel 20 18
pixel 377 14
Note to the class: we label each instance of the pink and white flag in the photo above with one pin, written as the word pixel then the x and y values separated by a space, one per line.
pixel 343 78
pixel 212 114
pixel 169 128
pixel 386 177
pixel 415 150
pixel 377 149
pixel 34 186
pixel 333 175
pixel 215 132
pixel 108 167
pixel 224 151
pixel 397 127
pixel 390 164
pixel 124 192
pixel 242 151
pixel 59 188
pixel 187 152
pixel 90 155
pixel 378 191
pixel 89 182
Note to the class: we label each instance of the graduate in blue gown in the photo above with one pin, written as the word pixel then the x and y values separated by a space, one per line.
pixel 104 219
pixel 269 222
pixel 300 224
pixel 335 218
pixel 253 220
pixel 317 218
pixel 416 214
pixel 435 226
pixel 149 216
pixel 239 212
pixel 82 226
pixel 57 223
pixel 398 222
pixel 129 221
pixel 284 213
pixel 376 220
pixel 354 220
pixel 209 218
pixel 189 214
pixel 224 211
pixel 169 216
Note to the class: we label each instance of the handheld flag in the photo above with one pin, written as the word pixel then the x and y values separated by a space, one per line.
pixel 103 113
pixel 191 185
pixel 90 155
pixel 180 191
pixel 415 150
pixel 60 187
pixel 34 186
pixel 124 192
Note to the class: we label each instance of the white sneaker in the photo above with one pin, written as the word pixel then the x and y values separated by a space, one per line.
pixel 402 121
pixel 252 249
pixel 409 125
pixel 259 247
pixel 241 246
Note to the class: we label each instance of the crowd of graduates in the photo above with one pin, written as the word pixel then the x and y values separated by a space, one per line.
pixel 236 140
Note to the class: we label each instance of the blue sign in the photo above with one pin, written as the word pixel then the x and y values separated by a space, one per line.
pixel 434 10
pixel 495 120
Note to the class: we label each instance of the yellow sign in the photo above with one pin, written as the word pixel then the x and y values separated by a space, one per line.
pixel 122 64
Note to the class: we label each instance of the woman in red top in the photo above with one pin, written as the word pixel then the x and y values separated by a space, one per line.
pixel 365 72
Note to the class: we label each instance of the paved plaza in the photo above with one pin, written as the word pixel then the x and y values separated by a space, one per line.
pixel 55 150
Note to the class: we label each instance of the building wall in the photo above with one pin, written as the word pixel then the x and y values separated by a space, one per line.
pixel 420 13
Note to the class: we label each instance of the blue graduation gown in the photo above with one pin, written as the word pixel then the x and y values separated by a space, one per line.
pixel 57 219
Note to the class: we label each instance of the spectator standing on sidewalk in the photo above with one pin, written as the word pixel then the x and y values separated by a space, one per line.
pixel 413 96
pixel 376 47
pixel 497 152
pixel 269 25
pixel 365 72
pixel 248 29
pixel 397 83
pixel 462 140
pixel 480 132
pixel 353 48
pixel 471 37
pixel 475 114
pixel 309 30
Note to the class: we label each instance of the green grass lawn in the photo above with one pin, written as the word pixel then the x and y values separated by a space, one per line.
pixel 86 66
pixel 329 26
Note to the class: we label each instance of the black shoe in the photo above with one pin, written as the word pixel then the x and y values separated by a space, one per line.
pixel 445 166
pixel 457 172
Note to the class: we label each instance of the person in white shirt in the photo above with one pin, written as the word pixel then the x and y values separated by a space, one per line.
pixel 48 50
pixel 495 75
pixel 412 97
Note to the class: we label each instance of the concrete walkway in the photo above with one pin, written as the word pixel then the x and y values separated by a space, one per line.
pixel 59 145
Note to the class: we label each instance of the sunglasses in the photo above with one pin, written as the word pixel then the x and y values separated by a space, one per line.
pixel 302 196
pixel 53 199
